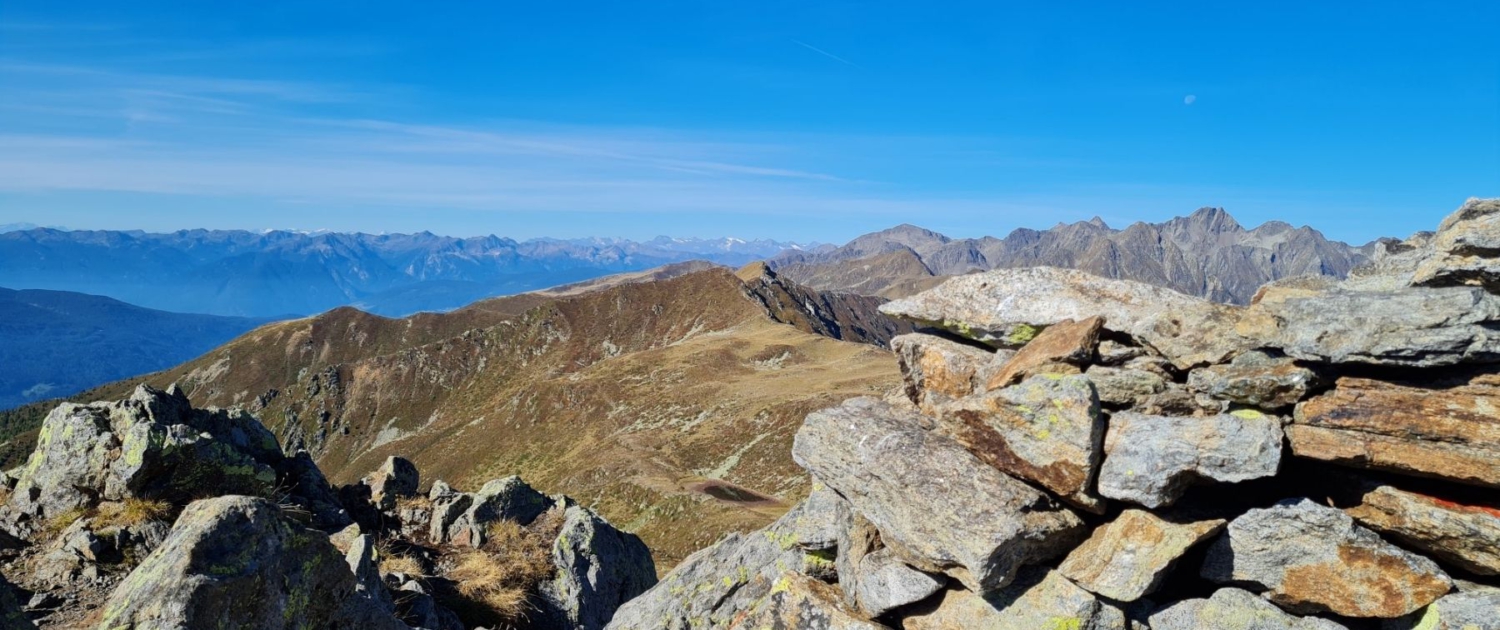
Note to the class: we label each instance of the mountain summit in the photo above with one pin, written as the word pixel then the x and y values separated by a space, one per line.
pixel 1207 254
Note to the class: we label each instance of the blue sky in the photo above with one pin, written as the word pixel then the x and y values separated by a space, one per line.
pixel 792 120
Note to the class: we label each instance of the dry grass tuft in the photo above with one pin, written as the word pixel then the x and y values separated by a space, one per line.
pixel 502 575
pixel 392 562
pixel 55 525
pixel 132 512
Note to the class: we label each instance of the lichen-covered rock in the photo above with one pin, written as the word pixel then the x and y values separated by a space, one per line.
pixel 1432 428
pixel 1038 599
pixel 1009 307
pixel 1123 386
pixel 1458 611
pixel 1047 430
pixel 1233 609
pixel 1127 558
pixel 1255 379
pixel 598 569
pixel 1408 327
pixel 797 602
pixel 1151 460
pixel 935 370
pixel 712 587
pixel 886 583
pixel 1066 341
pixel 1466 249
pixel 235 562
pixel 937 506
pixel 1464 536
pixel 1310 558
pixel 153 445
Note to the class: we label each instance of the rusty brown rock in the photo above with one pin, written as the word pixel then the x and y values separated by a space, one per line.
pixel 935 370
pixel 1047 430
pixel 1450 432
pixel 1465 536
pixel 1066 341
pixel 1310 558
pixel 1127 558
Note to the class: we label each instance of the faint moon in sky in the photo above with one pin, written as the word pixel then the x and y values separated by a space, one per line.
pixel 1188 100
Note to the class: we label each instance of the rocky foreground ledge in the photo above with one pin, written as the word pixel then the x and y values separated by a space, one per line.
pixel 1074 452
pixel 148 514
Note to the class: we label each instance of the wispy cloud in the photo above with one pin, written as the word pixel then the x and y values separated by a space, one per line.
pixel 826 53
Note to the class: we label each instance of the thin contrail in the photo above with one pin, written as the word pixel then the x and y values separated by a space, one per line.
pixel 826 53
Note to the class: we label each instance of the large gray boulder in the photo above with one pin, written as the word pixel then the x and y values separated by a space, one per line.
pixel 1310 558
pixel 1047 430
pixel 397 477
pixel 236 562
pixel 1151 460
pixel 937 506
pixel 1406 327
pixel 599 568
pixel 1233 609
pixel 154 445
pixel 1008 307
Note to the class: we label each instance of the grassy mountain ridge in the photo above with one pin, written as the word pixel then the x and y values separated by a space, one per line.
pixel 669 404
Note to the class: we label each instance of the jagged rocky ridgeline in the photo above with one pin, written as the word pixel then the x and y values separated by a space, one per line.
pixel 149 514
pixel 1074 452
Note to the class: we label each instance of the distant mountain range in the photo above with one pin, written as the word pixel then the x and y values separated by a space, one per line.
pixel 273 273
pixel 56 343
pixel 1206 254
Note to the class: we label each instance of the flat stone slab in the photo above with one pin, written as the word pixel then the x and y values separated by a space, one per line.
pixel 1009 307
pixel 1451 432
pixel 1408 327
pixel 1464 536
pixel 936 505
pixel 1066 341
